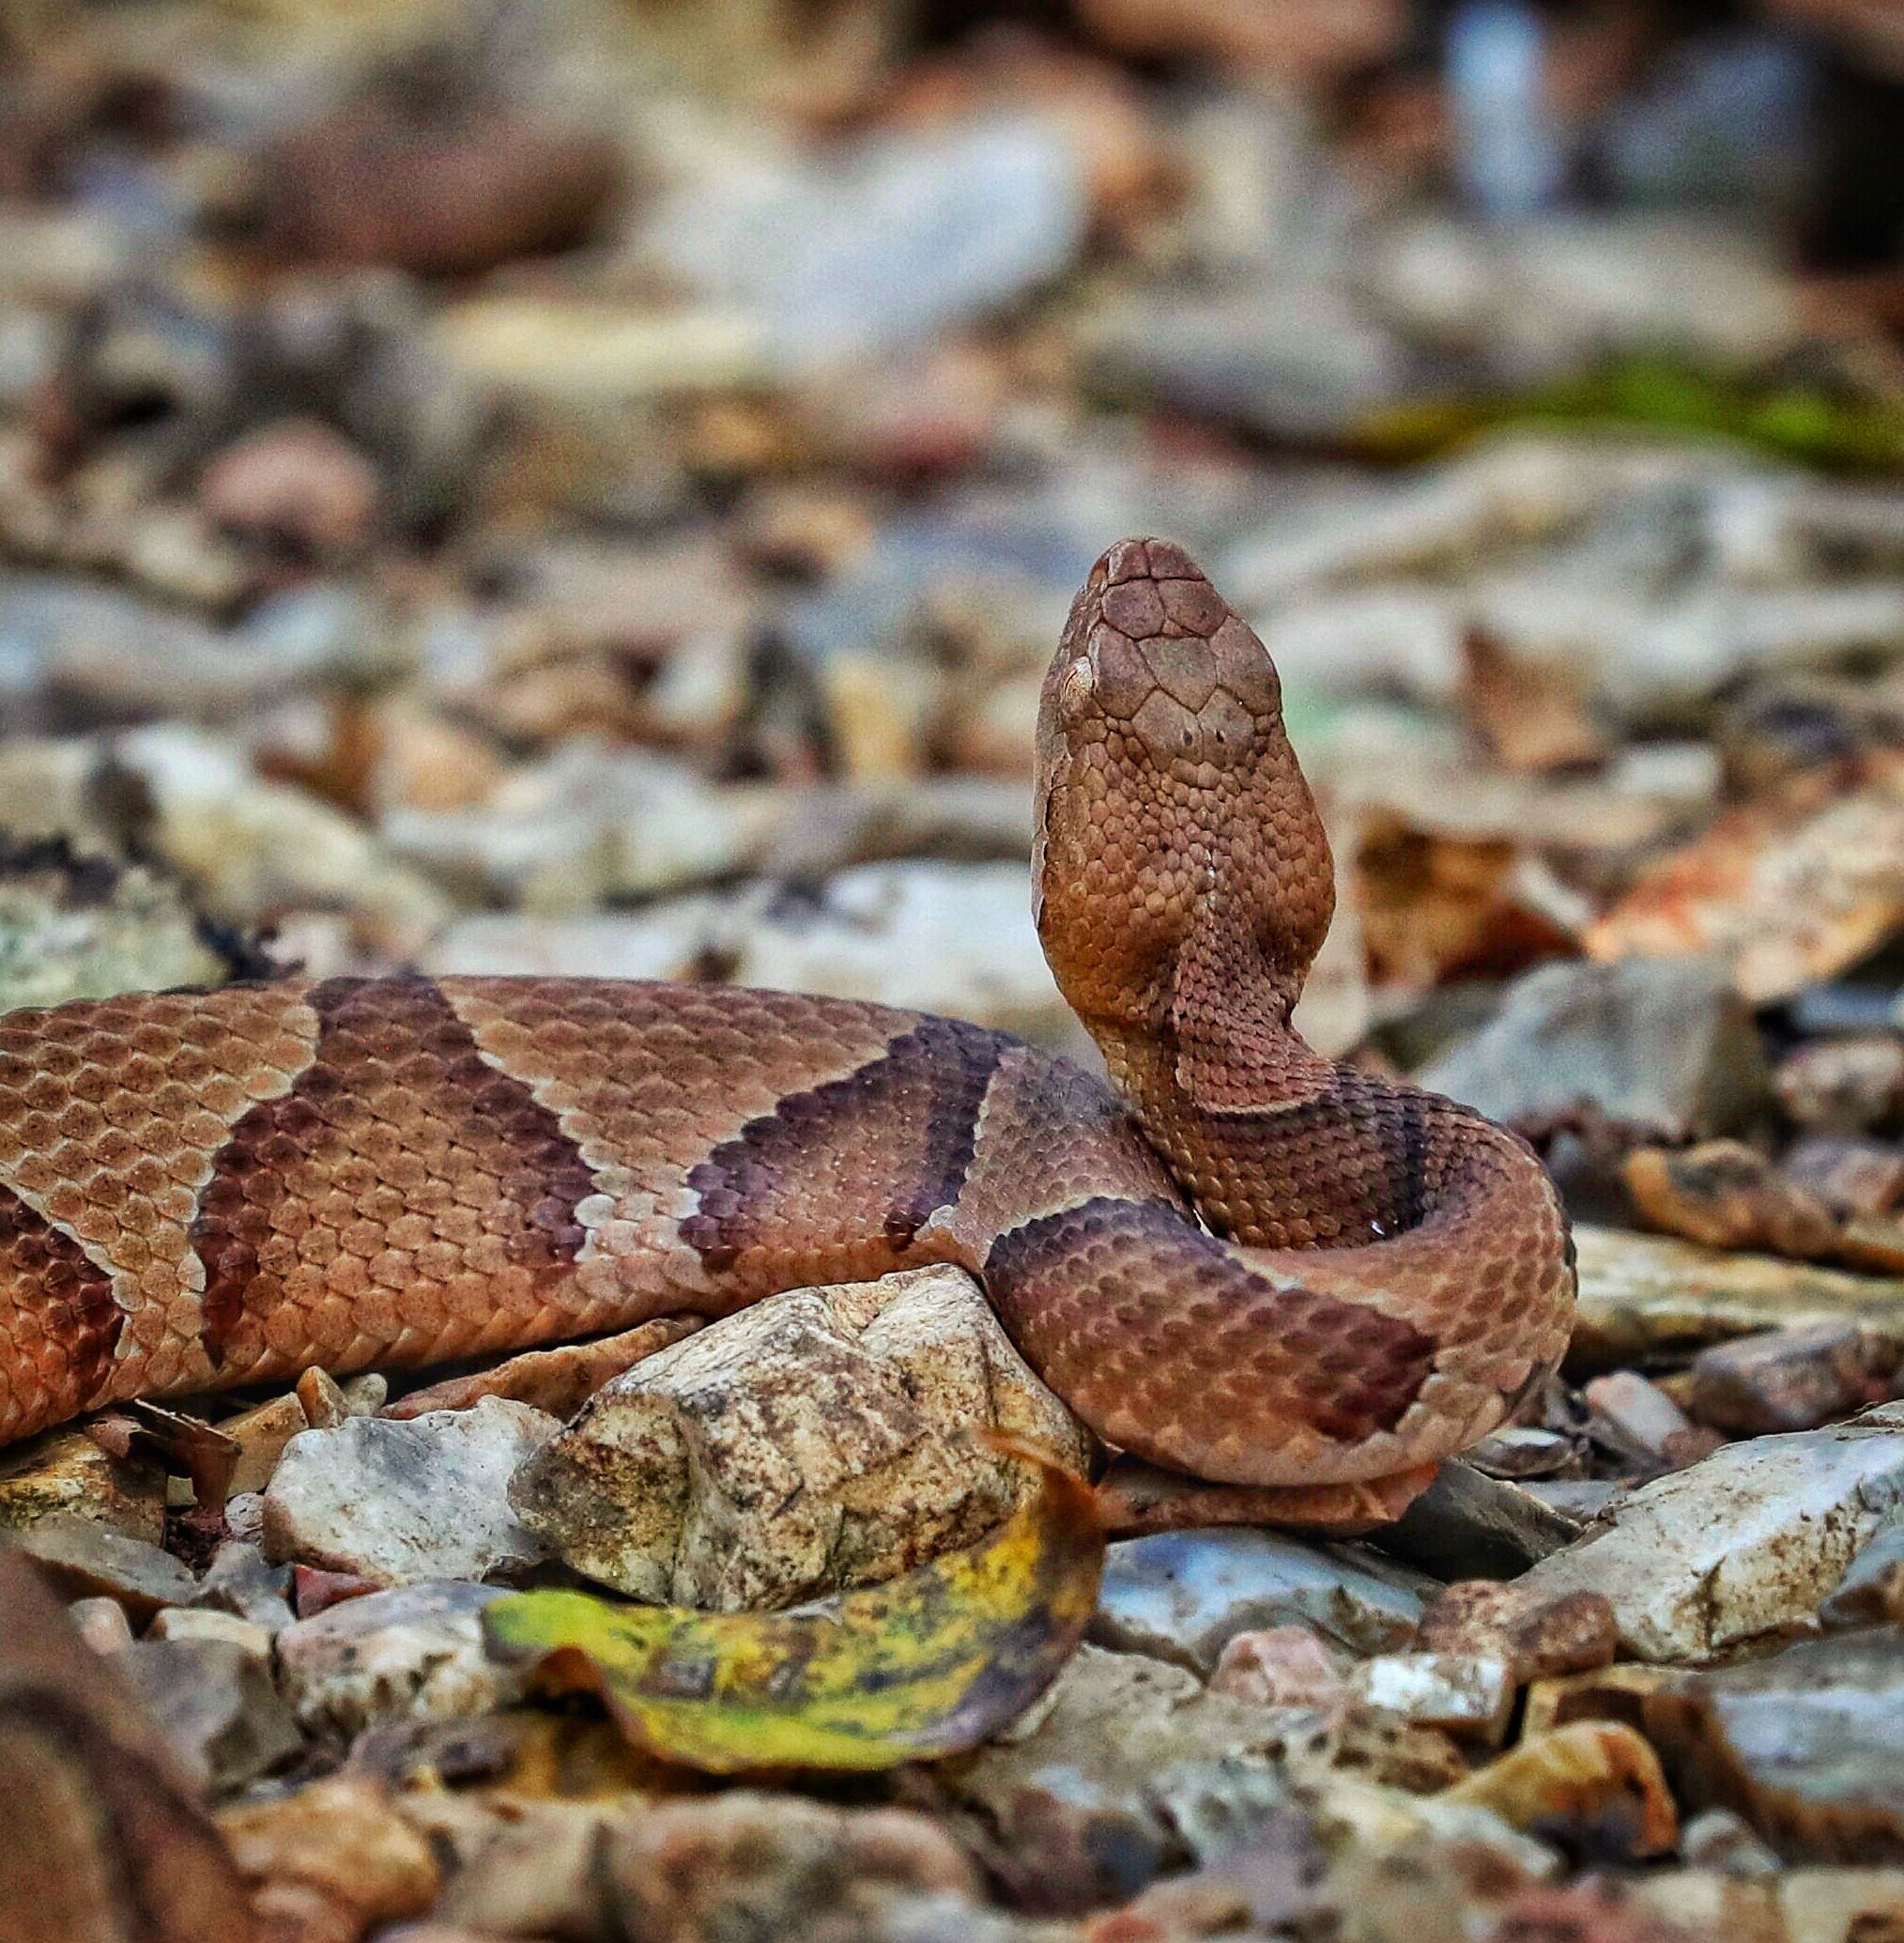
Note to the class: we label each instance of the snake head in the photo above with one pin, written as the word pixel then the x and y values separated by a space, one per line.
pixel 1166 787
pixel 1152 655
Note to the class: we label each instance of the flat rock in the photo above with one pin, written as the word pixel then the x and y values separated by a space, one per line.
pixel 411 1653
pixel 1468 1525
pixel 67 1472
pixel 816 1440
pixel 1793 1379
pixel 214 1701
pixel 1184 1596
pixel 1661 1043
pixel 1644 1297
pixel 1126 1767
pixel 1804 1745
pixel 402 1502
pixel 1743 1544
pixel 84 1559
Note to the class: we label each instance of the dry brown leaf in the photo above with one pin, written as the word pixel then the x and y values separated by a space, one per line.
pixel 1790 892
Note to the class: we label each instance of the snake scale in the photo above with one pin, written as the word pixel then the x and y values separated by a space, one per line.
pixel 1246 1263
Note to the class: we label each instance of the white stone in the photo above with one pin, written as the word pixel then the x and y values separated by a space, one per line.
pixel 1745 1544
pixel 402 1502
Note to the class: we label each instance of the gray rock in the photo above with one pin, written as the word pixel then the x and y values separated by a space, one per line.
pixel 1802 1744
pixel 1664 1042
pixel 1468 1525
pixel 242 1582
pixel 884 245
pixel 412 1653
pixel 83 1560
pixel 1128 1767
pixel 818 1440
pixel 214 1701
pixel 402 1502
pixel 1183 1596
pixel 1744 1545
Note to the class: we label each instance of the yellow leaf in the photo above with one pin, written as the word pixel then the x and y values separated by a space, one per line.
pixel 927 1664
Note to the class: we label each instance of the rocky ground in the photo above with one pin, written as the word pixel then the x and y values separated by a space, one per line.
pixel 575 490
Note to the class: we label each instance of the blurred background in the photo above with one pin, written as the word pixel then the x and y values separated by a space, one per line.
pixel 593 486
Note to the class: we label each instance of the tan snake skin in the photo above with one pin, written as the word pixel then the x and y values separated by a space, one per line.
pixel 200 1190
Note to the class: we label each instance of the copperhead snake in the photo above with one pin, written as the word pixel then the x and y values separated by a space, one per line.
pixel 1248 1263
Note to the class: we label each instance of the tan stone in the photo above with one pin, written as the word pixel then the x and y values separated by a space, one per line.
pixel 816 1440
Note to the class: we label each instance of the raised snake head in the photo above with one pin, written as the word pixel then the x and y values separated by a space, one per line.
pixel 1174 823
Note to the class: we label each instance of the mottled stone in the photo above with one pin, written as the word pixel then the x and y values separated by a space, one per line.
pixel 760 1864
pixel 1538 1634
pixel 67 1472
pixel 412 1653
pixel 821 1439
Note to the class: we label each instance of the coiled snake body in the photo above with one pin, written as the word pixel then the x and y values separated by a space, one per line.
pixel 1255 1266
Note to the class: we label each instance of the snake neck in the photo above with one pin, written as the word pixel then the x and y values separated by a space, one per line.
pixel 1217 1156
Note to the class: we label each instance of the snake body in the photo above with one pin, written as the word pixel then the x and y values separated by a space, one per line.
pixel 1246 1262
